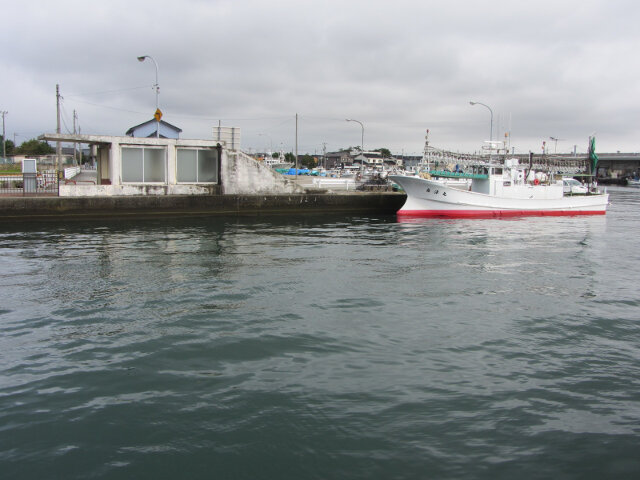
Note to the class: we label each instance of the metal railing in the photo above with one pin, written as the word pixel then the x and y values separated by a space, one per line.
pixel 42 183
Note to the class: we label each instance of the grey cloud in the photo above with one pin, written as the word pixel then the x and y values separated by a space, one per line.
pixel 563 69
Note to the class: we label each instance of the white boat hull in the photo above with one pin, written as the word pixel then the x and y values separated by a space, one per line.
pixel 427 198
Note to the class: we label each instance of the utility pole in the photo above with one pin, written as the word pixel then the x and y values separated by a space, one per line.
pixel 158 114
pixel 324 154
pixel 4 140
pixel 296 144
pixel 58 144
pixel 75 145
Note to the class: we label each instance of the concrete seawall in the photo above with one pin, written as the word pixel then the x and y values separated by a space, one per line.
pixel 58 208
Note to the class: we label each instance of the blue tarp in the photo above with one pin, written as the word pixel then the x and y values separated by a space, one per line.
pixel 301 171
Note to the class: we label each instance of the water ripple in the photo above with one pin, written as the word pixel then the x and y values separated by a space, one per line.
pixel 327 347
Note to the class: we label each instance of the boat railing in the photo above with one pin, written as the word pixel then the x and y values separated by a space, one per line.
pixel 445 174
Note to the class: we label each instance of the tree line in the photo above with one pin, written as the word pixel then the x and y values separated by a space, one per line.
pixel 29 147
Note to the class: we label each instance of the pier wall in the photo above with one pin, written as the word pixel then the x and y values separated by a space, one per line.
pixel 241 174
pixel 14 209
pixel 91 190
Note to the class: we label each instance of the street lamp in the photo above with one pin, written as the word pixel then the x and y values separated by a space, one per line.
pixel 362 140
pixel 491 111
pixel 4 139
pixel 555 140
pixel 158 114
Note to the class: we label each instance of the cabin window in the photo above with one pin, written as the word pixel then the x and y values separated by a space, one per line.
pixel 197 165
pixel 143 165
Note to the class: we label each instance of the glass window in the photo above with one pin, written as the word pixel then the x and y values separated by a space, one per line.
pixel 154 165
pixel 143 165
pixel 197 165
pixel 131 164
pixel 208 165
pixel 187 165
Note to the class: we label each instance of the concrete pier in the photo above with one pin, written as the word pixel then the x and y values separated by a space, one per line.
pixel 14 209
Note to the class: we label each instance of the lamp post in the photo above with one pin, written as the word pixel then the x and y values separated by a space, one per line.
pixel 158 114
pixel 491 111
pixel 4 140
pixel 362 140
pixel 555 146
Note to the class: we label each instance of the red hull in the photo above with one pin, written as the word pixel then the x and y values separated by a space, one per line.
pixel 495 213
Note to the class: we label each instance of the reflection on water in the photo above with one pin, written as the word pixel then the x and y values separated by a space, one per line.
pixel 322 347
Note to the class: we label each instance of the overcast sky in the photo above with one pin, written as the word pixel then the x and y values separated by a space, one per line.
pixel 563 69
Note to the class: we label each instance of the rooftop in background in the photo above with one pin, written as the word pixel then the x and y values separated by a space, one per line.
pixel 149 128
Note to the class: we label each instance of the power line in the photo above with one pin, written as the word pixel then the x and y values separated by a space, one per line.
pixel 104 92
pixel 64 111
pixel 227 119
pixel 108 107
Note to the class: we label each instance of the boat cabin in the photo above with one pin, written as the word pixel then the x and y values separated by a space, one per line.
pixel 512 180
pixel 509 180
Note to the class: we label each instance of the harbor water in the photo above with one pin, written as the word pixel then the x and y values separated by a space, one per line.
pixel 322 347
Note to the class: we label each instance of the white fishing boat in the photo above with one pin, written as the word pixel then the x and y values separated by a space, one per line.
pixel 633 182
pixel 278 162
pixel 433 159
pixel 497 190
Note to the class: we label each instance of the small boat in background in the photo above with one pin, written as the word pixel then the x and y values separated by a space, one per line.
pixel 278 162
pixel 633 182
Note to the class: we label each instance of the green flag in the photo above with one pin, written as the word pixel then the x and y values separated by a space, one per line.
pixel 593 158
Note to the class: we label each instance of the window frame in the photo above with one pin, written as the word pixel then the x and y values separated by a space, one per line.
pixel 143 148
pixel 198 150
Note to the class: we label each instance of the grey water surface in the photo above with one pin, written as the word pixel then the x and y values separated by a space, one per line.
pixel 321 347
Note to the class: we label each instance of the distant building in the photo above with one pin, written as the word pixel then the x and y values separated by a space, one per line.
pixel 374 159
pixel 44 162
pixel 411 161
pixel 337 159
pixel 150 128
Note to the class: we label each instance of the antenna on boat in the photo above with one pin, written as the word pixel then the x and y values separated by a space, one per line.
pixel 425 153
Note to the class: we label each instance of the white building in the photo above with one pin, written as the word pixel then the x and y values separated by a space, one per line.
pixel 169 166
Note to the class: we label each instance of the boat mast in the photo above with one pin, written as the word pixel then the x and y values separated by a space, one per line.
pixel 425 153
